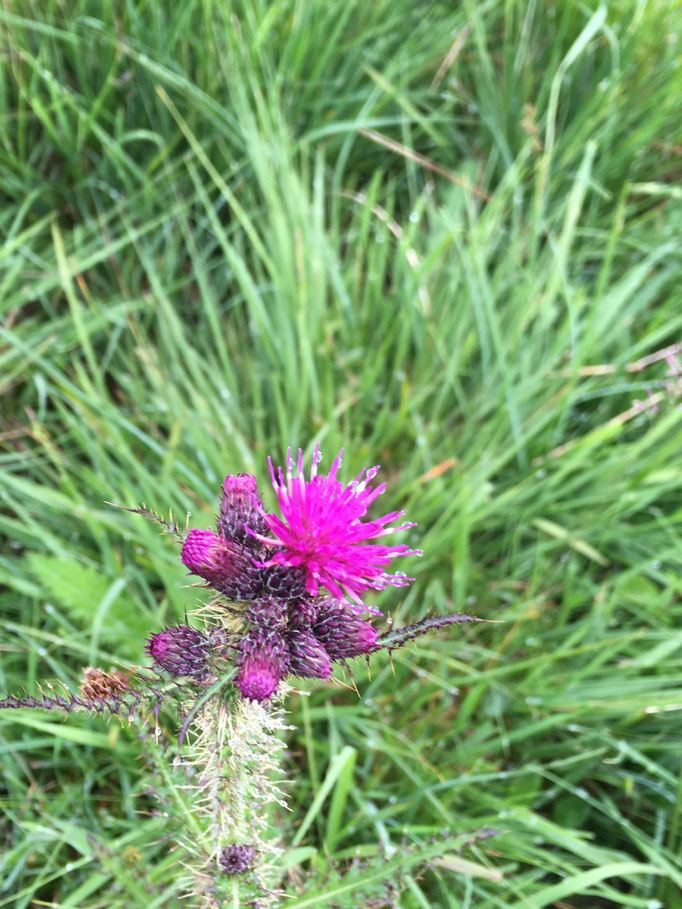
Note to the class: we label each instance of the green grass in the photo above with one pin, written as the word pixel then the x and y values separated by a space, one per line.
pixel 218 241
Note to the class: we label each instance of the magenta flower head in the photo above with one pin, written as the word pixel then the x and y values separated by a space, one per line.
pixel 237 857
pixel 227 566
pixel 181 650
pixel 321 529
pixel 262 662
pixel 239 508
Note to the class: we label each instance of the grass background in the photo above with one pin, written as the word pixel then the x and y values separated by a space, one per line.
pixel 403 228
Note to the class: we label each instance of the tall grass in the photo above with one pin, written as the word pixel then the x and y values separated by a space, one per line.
pixel 408 229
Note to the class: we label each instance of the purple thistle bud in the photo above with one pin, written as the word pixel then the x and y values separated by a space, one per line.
pixel 237 857
pixel 343 633
pixel 303 613
pixel 284 582
pixel 228 567
pixel 267 613
pixel 262 662
pixel 181 650
pixel 239 509
pixel 309 659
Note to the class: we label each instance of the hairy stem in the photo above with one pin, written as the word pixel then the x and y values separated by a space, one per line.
pixel 231 765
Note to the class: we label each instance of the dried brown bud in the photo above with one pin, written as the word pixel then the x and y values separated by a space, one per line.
pixel 98 684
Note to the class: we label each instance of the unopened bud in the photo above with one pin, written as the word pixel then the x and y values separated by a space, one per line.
pixel 228 567
pixel 181 650
pixel 267 612
pixel 343 633
pixel 239 509
pixel 262 662
pixel 237 857
pixel 309 658
pixel 303 613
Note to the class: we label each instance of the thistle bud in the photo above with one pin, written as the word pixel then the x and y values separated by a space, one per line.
pixel 237 857
pixel 284 582
pixel 309 659
pixel 343 633
pixel 181 650
pixel 267 613
pixel 239 509
pixel 228 567
pixel 303 613
pixel 262 662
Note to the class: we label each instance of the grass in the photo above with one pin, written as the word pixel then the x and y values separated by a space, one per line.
pixel 411 230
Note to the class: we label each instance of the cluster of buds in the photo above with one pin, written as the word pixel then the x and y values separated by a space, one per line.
pixel 296 579
pixel 301 637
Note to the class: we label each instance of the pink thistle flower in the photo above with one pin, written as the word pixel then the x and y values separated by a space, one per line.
pixel 321 530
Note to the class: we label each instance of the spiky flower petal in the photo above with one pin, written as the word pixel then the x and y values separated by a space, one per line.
pixel 262 662
pixel 321 531
pixel 309 659
pixel 181 650
pixel 237 857
pixel 343 633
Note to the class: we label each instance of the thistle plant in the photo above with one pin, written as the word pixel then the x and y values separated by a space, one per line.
pixel 287 603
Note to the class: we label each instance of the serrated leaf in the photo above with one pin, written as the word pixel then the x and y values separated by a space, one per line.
pixel 87 595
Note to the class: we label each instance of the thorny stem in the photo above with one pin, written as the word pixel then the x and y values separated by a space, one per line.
pixel 120 704
pixel 231 762
pixel 170 526
pixel 399 636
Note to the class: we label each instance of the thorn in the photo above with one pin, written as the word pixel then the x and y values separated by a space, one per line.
pixel 353 681
pixel 344 684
